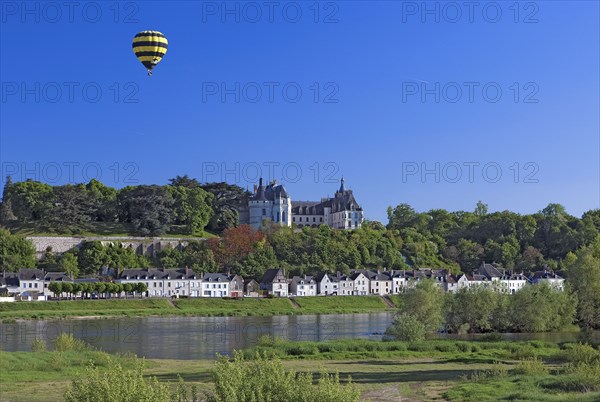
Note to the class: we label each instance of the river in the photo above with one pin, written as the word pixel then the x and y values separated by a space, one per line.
pixel 203 337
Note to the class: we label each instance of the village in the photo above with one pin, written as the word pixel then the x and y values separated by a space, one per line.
pixel 37 285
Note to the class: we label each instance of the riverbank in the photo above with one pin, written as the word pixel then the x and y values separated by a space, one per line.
pixel 207 307
pixel 383 371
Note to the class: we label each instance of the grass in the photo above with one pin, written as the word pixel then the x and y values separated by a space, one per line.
pixel 117 229
pixel 436 370
pixel 341 304
pixel 189 307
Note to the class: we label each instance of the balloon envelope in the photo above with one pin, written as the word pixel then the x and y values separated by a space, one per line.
pixel 150 47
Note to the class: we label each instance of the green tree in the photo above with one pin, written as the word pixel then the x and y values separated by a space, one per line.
pixel 583 270
pixel 406 327
pixel 477 309
pixel 31 200
pixel 6 212
pixel 192 207
pixel 68 264
pixel 71 210
pixel 147 208
pixel 423 304
pixel 16 252
pixel 227 199
pixel 91 257
pixel 56 288
pixel 540 308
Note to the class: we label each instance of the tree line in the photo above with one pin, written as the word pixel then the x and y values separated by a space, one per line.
pixel 536 308
pixel 102 289
pixel 183 207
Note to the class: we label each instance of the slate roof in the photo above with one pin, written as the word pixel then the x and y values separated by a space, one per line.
pixel 215 277
pixel 29 274
pixel 57 277
pixel 270 275
pixel 271 192
pixel 544 275
pixel 9 279
pixel 489 271
pixel 153 273
pixel 306 278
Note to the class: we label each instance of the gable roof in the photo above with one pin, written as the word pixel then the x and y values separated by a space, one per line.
pixel 271 274
pixel 29 274
pixel 154 273
pixel 489 271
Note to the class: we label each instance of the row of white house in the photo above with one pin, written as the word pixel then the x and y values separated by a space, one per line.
pixel 365 282
pixel 33 283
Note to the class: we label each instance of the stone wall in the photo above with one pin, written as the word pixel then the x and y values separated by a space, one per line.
pixel 142 245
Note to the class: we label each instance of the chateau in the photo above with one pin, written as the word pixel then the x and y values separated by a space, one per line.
pixel 272 202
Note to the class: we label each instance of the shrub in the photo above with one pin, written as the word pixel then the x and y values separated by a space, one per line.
pixel 586 376
pixel 261 379
pixel 523 351
pixel 117 384
pixel 67 342
pixel 38 345
pixel 582 354
pixel 407 328
pixel 532 366
pixel 492 337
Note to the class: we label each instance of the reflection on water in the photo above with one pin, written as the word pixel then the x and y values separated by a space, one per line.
pixel 194 337
pixel 203 337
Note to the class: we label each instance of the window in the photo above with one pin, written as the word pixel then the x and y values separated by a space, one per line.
pixel 321 219
pixel 294 219
pixel 283 216
pixel 314 219
pixel 264 211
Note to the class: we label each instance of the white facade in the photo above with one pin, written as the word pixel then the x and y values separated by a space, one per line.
pixel 303 286
pixel 270 203
pixel 381 284
pixel 327 286
pixel 361 284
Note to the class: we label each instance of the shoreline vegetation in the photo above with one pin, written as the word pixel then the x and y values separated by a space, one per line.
pixel 482 370
pixel 201 307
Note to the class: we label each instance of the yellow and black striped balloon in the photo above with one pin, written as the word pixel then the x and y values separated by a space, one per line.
pixel 150 47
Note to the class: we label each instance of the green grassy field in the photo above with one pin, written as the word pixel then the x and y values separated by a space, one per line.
pixel 191 307
pixel 383 371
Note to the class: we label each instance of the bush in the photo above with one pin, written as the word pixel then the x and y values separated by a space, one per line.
pixel 38 345
pixel 262 379
pixel 581 354
pixel 117 384
pixel 407 328
pixel 67 342
pixel 533 366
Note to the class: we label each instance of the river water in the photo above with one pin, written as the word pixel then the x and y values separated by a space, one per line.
pixel 192 337
pixel 203 337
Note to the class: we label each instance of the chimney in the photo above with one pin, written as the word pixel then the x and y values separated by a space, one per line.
pixel 255 188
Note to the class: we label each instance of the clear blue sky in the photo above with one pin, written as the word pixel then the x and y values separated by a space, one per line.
pixel 367 122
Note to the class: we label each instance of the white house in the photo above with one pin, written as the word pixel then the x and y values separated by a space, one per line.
pixel 215 285
pixel 361 284
pixel 549 277
pixel 275 282
pixel 327 284
pixel 381 284
pixel 164 282
pixel 303 286
pixel 31 282
pixel 345 285
pixel 512 283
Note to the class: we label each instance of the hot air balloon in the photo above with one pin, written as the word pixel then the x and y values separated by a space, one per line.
pixel 150 47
